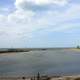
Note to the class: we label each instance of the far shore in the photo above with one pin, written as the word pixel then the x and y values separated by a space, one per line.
pixel 12 51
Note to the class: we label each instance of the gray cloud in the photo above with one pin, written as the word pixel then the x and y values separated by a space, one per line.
pixel 39 5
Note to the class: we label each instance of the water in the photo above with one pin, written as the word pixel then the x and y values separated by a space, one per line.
pixel 51 62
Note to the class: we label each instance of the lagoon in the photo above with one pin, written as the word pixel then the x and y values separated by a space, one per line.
pixel 50 62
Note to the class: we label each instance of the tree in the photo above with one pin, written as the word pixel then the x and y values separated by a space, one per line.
pixel 78 47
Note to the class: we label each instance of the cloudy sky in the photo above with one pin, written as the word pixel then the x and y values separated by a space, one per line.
pixel 39 23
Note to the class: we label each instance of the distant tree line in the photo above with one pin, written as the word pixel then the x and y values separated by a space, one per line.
pixel 14 50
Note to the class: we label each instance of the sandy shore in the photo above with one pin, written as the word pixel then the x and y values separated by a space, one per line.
pixel 5 54
pixel 75 49
pixel 75 77
pixel 68 49
pixel 11 53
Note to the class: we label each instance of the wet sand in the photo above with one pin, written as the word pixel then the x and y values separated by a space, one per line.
pixel 75 49
pixel 8 53
pixel 74 77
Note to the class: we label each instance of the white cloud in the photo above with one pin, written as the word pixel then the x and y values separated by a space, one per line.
pixel 42 2
pixel 20 16
pixel 73 11
pixel 2 18
pixel 22 23
pixel 32 4
pixel 26 22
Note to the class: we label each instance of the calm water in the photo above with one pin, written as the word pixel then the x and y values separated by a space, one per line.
pixel 58 61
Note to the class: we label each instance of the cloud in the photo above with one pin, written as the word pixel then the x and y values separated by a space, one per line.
pixel 39 4
pixel 27 22
pixel 22 24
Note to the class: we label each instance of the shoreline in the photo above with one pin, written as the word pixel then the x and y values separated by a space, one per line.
pixel 14 53
pixel 75 49
pixel 73 77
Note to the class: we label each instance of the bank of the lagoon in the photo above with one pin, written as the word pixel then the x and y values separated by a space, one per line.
pixel 47 61
pixel 75 49
pixel 73 77
pixel 13 50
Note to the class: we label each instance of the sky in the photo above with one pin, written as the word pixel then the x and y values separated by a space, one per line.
pixel 39 23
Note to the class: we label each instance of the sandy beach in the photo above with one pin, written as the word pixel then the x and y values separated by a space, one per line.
pixel 74 77
pixel 75 49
